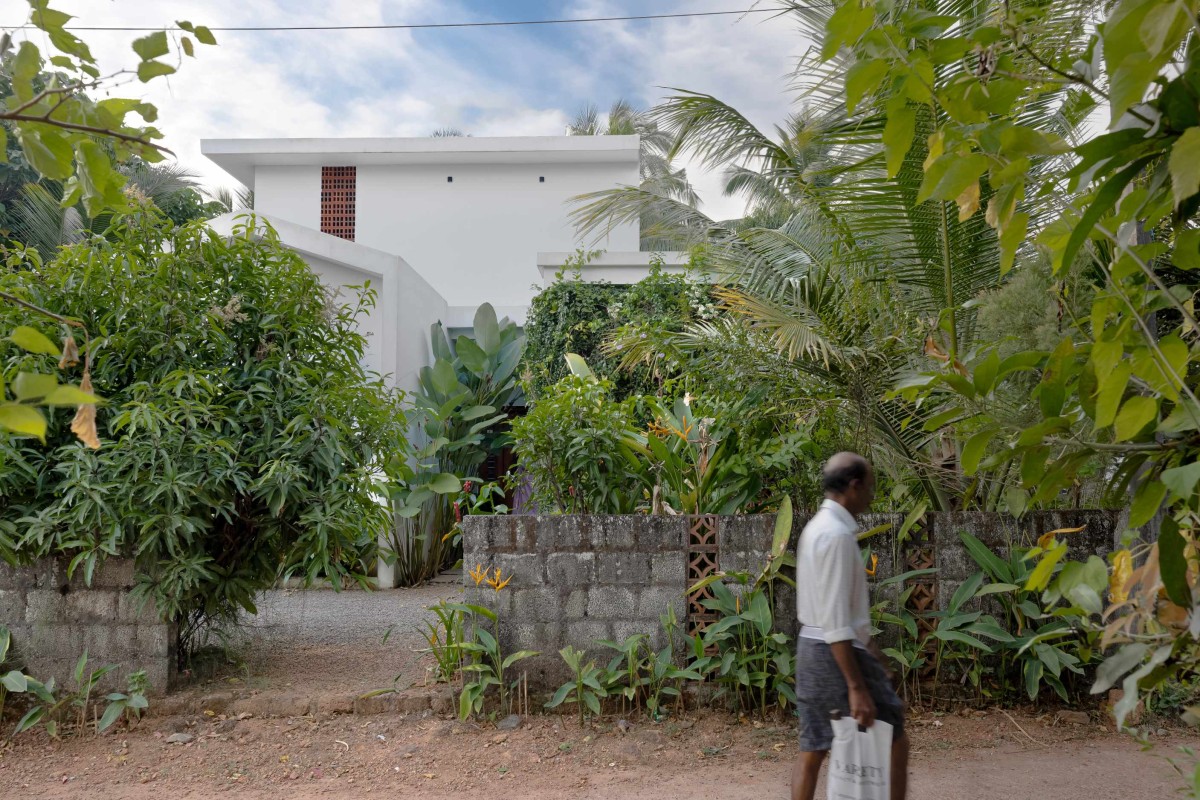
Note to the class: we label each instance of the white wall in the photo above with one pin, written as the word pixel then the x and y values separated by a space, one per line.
pixel 339 276
pixel 289 193
pixel 476 240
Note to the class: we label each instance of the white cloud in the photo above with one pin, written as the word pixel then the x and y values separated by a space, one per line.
pixel 403 83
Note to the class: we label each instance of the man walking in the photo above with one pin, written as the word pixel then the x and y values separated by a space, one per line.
pixel 838 666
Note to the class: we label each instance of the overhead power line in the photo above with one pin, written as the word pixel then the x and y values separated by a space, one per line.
pixel 427 25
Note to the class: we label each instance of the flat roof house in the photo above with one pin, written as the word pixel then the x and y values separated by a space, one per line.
pixel 438 225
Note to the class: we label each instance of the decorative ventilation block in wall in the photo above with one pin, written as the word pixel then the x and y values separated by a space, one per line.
pixel 337 201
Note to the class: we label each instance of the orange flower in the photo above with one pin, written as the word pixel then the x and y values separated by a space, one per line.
pixel 478 574
pixel 1046 539
pixel 497 581
pixel 874 565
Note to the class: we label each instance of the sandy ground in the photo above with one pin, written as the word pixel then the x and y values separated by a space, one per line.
pixel 712 756
pixel 321 642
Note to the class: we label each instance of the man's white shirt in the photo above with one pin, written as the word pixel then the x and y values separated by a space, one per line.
pixel 832 602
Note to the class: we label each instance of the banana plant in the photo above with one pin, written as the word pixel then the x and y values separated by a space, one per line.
pixel 459 414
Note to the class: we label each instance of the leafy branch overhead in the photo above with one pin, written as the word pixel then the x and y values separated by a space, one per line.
pixel 65 135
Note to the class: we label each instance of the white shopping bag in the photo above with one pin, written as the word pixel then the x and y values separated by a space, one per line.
pixel 859 761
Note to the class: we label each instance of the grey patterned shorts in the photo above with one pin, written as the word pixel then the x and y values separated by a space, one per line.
pixel 820 688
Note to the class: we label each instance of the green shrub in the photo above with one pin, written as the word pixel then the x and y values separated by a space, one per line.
pixel 571 316
pixel 575 446
pixel 241 438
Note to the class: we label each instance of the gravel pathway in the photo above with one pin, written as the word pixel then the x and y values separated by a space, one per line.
pixel 322 616
pixel 318 641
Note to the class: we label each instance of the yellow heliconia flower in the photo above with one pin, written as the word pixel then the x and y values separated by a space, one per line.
pixel 1046 539
pixel 498 581
pixel 874 565
pixel 479 574
pixel 1122 570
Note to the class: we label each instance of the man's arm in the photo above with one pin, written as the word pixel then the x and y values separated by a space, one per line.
pixel 862 705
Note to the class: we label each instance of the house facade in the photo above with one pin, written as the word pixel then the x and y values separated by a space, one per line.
pixel 437 225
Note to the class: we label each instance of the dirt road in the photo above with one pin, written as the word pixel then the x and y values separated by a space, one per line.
pixel 711 756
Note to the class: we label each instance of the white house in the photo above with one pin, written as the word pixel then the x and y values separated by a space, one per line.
pixel 439 225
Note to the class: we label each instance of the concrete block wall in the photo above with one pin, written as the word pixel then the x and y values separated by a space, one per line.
pixel 53 619
pixel 579 579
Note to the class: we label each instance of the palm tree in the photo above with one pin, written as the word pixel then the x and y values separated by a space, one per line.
pixel 657 171
pixel 40 221
pixel 849 276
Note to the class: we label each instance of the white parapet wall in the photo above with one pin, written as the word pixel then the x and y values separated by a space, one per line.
pixel 619 267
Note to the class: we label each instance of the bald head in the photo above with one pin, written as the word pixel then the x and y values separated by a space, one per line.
pixel 848 479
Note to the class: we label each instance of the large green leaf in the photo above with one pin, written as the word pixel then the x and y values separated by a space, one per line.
pixel 445 483
pixel 22 420
pixel 996 568
pixel 32 340
pixel 1182 480
pixel 1173 564
pixel 487 329
pixel 1136 413
pixel 1184 165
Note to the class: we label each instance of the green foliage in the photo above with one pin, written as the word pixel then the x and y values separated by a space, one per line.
pixel 717 457
pixel 753 665
pixel 1001 634
pixel 576 448
pixel 445 637
pixel 242 437
pixel 487 664
pixel 1121 381
pixel 460 411
pixel 587 688
pixel 62 131
pixel 49 706
pixel 582 452
pixel 571 316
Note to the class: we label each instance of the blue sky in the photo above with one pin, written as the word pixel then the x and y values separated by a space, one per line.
pixel 486 81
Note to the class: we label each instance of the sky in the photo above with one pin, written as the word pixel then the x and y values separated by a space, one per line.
pixel 514 81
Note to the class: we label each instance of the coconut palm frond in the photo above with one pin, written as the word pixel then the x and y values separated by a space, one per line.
pixel 40 221
pixel 669 219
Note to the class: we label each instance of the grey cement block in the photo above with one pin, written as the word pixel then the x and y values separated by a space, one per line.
pixel 654 601
pixel 662 534
pixel 525 534
pixel 138 610
pixel 50 641
pixel 48 573
pixel 527 570
pixel 623 629
pixel 583 634
pixel 668 569
pixel 621 533
pixel 570 569
pixel 543 637
pixel 541 604
pixel 576 605
pixel 45 607
pixel 11 578
pixel 745 533
pixel 622 568
pixel 611 602
pixel 12 607
pixel 502 533
pixel 157 640
pixel 88 606
pixel 563 533
pixel 112 573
